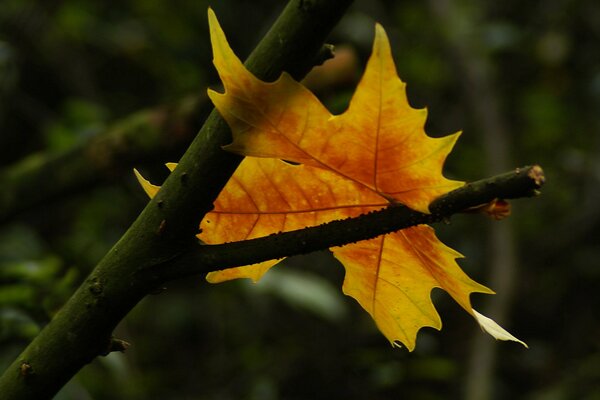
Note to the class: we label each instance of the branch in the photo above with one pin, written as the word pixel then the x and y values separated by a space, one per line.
pixel 523 182
pixel 80 330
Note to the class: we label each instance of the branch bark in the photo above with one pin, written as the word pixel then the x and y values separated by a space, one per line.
pixel 81 330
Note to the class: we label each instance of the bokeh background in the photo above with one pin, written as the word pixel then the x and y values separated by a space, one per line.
pixel 124 84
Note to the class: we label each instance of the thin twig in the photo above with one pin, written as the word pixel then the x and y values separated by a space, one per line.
pixel 522 182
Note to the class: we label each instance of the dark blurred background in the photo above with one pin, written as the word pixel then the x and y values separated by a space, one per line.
pixel 521 79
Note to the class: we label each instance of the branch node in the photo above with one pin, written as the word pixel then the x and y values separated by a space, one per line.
pixel 306 5
pixel 25 369
pixel 161 228
pixel 96 287
pixel 184 178
pixel 326 52
pixel 115 344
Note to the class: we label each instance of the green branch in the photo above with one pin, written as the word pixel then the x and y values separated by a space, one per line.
pixel 523 182
pixel 166 228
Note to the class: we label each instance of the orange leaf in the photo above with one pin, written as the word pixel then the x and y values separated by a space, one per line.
pixel 268 195
pixel 376 151
pixel 392 277
pixel 374 154
pixel 378 142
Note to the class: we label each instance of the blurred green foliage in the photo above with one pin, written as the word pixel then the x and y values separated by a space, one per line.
pixel 68 68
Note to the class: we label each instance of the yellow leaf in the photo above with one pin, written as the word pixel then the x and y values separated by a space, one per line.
pixel 268 195
pixel 375 154
pixel 392 277
pixel 378 142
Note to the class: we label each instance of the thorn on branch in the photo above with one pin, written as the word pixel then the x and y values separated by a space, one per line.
pixel 96 287
pixel 306 5
pixel 184 178
pixel 115 344
pixel 161 228
pixel 326 52
pixel 25 369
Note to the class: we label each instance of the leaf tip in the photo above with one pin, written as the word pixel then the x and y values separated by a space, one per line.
pixel 212 18
pixel 213 277
pixel 381 42
pixel 223 57
pixel 380 34
pixel 253 272
pixel 171 166
pixel 491 327
pixel 148 187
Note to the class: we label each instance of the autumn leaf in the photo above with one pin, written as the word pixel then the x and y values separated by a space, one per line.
pixel 374 155
pixel 268 195
pixel 379 142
